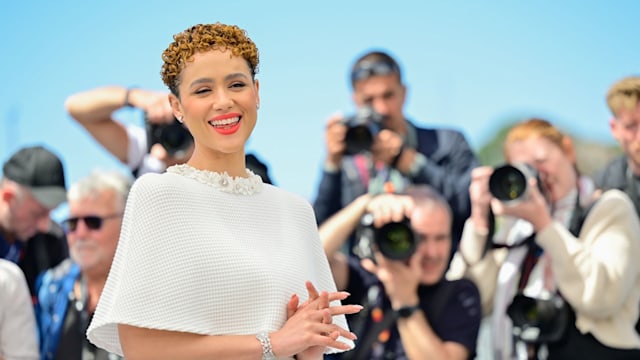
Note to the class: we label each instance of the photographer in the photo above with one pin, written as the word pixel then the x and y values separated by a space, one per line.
pixel 623 172
pixel 411 311
pixel 93 109
pixel 380 145
pixel 557 268
pixel 160 143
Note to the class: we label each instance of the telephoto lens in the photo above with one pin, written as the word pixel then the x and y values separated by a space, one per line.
pixel 509 183
pixel 395 240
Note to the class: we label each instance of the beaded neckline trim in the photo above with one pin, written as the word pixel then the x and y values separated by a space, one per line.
pixel 222 181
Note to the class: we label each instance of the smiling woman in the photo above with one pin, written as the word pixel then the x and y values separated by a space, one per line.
pixel 211 262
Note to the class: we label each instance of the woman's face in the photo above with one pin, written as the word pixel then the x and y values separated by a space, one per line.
pixel 556 168
pixel 218 101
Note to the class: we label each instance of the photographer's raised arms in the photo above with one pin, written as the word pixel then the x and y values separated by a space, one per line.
pixel 557 269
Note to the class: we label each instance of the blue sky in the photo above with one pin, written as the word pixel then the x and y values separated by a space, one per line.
pixel 468 65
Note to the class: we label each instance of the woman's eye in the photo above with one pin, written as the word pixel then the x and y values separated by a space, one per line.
pixel 238 85
pixel 202 91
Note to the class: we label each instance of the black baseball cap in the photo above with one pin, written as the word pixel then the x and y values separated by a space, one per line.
pixel 41 171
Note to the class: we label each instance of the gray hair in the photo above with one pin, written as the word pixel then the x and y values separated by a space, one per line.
pixel 101 180
pixel 427 197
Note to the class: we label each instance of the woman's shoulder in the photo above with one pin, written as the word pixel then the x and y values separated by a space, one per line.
pixel 155 181
pixel 613 207
pixel 285 195
pixel 613 198
pixel 9 269
pixel 155 187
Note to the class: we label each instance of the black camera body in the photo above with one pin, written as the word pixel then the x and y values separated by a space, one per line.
pixel 361 130
pixel 395 240
pixel 174 137
pixel 539 321
pixel 509 183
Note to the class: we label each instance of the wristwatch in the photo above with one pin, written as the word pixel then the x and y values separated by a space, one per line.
pixel 406 311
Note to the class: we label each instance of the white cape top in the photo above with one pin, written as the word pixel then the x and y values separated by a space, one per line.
pixel 205 253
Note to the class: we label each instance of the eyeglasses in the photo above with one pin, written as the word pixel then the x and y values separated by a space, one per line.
pixel 92 222
pixel 367 69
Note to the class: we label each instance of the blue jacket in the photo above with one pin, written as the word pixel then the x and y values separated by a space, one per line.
pixel 52 290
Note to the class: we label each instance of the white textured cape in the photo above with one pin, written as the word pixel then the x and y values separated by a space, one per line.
pixel 193 258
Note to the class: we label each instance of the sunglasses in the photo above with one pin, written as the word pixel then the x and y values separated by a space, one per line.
pixel 92 222
pixel 367 69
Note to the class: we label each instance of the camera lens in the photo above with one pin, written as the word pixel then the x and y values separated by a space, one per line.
pixel 507 183
pixel 361 130
pixel 174 137
pixel 396 240
pixel 358 139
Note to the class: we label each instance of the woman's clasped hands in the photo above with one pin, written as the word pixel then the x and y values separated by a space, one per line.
pixel 309 328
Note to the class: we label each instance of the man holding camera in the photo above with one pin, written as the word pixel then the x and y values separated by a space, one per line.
pixel 379 148
pixel 623 172
pixel 131 145
pixel 411 311
pixel 162 142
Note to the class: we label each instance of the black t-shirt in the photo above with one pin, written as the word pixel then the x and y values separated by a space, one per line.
pixel 458 319
pixel 74 344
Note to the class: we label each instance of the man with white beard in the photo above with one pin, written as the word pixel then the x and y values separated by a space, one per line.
pixel 68 294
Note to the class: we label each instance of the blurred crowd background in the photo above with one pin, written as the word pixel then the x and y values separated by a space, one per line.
pixel 475 66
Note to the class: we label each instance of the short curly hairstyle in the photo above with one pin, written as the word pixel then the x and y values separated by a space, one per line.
pixel 624 95
pixel 204 37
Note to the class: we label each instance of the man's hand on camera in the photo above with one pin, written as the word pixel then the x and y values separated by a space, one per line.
pixel 480 196
pixel 157 107
pixel 387 145
pixel 159 152
pixel 387 208
pixel 335 131
pixel 400 278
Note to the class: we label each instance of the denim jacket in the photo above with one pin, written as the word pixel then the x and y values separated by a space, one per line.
pixel 52 289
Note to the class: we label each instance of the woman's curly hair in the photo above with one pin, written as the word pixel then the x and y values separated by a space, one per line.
pixel 204 37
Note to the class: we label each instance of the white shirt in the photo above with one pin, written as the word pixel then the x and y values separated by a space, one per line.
pixel 138 156
pixel 18 331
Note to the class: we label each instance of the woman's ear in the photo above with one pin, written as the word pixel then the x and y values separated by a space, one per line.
pixel 176 107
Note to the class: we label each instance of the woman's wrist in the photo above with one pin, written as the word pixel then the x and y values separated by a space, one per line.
pixel 265 342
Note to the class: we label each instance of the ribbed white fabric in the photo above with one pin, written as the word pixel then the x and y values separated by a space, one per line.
pixel 193 258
